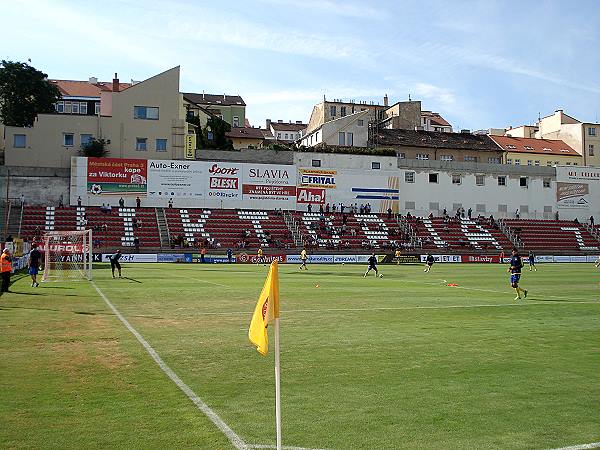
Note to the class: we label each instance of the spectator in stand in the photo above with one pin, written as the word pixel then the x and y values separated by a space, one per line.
pixel 108 208
pixel 136 244
pixel 103 208
pixel 22 200
pixel 79 201
pixel 134 222
pixel 431 215
pixel 327 208
pixel 362 208
pixel 60 202
pixel 344 219
pixel 556 216
pixel 342 208
pixel 121 202
pixel 445 213
pixel 469 212
pixel 309 208
pixel 389 211
pixel 517 213
pixel 592 221
pixel 333 208
pixel 321 208
pixel 9 238
pixel 138 202
pixel 170 203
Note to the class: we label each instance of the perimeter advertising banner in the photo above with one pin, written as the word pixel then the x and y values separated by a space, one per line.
pixel 114 176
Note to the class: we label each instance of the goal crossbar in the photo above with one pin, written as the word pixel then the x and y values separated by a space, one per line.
pixel 67 255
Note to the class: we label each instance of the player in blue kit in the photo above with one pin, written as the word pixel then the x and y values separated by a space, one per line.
pixel 516 264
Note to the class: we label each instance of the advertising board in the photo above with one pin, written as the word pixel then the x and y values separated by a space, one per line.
pixel 115 176
pixel 265 259
pixel 132 257
pixel 444 258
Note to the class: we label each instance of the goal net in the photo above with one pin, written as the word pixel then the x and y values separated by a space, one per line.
pixel 68 255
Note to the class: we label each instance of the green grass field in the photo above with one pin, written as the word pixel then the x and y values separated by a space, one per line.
pixel 399 362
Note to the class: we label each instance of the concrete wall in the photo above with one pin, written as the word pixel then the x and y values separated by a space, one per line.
pixel 39 185
pixel 262 156
pixel 334 161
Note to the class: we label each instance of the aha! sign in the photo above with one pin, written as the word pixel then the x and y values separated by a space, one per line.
pixel 310 195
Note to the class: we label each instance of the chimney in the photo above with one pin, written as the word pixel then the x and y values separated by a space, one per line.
pixel 268 124
pixel 279 121
pixel 224 97
pixel 385 100
pixel 93 80
pixel 203 94
pixel 115 83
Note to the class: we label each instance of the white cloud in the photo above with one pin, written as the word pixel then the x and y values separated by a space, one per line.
pixel 331 7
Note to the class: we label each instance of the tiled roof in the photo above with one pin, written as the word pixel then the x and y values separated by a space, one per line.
pixel 245 133
pixel 267 134
pixel 434 139
pixel 285 126
pixel 71 88
pixel 214 99
pixel 435 118
pixel 530 145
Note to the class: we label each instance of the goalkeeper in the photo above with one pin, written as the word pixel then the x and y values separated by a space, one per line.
pixel 114 263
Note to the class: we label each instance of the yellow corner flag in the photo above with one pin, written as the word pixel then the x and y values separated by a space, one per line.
pixel 267 309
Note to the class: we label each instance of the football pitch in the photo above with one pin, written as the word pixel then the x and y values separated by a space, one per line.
pixel 399 362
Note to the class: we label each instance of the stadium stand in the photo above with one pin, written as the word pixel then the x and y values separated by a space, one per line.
pixel 236 229
pixel 558 235
pixel 462 234
pixel 116 228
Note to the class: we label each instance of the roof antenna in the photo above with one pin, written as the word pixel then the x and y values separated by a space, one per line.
pixel 409 98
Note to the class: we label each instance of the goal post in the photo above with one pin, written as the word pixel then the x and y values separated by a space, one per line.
pixel 67 255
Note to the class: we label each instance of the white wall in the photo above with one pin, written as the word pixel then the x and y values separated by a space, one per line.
pixel 535 197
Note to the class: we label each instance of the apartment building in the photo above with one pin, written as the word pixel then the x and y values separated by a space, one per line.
pixel 230 108
pixel 287 132
pixel 144 120
pixel 536 152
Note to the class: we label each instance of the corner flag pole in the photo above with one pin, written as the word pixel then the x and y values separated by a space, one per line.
pixel 277 386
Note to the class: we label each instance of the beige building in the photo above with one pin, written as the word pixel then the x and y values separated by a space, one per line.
pixel 583 137
pixel 440 146
pixel 246 137
pixel 521 151
pixel 146 120
pixel 348 131
pixel 287 132
pixel 524 131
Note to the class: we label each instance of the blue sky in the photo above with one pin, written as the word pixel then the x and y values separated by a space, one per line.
pixel 481 64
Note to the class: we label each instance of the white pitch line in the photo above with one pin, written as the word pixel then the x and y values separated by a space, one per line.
pixel 237 441
pixel 284 447
pixel 580 447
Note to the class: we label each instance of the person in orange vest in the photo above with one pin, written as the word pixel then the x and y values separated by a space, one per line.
pixel 6 269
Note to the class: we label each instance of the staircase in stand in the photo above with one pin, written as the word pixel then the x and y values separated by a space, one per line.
pixel 163 228
pixel 293 227
pixel 15 217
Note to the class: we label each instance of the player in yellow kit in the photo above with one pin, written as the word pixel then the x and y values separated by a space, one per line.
pixel 397 256
pixel 303 258
pixel 259 255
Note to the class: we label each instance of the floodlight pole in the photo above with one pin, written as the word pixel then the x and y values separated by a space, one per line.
pixel 277 386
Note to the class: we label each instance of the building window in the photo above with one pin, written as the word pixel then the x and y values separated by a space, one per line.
pixel 509 161
pixel 446 157
pixel 86 138
pixel 97 108
pixel 341 138
pixel 591 150
pixel 556 163
pixel 409 177
pixel 75 108
pixel 161 145
pixel 502 180
pixel 360 122
pixel 592 131
pixel 350 139
pixel 236 121
pixel 517 162
pixel 375 165
pixel 537 163
pixel 60 107
pixel 456 179
pixel 433 177
pixel 67 107
pixel 68 139
pixel 19 141
pixel 546 182
pixel 574 164
pixel 332 110
pixel 480 180
pixel 145 112
pixel 342 111
pixel 286 137
pixel 494 160
pixel 279 136
pixel 83 108
pixel 402 155
pixel 523 181
pixel 316 137
pixel 141 144
pixel 568 164
pixel 529 162
pixel 316 163
pixel 548 163
pixel 470 159
pixel 423 156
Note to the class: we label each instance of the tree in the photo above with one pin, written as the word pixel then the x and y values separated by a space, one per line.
pixel 95 148
pixel 25 92
pixel 213 134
